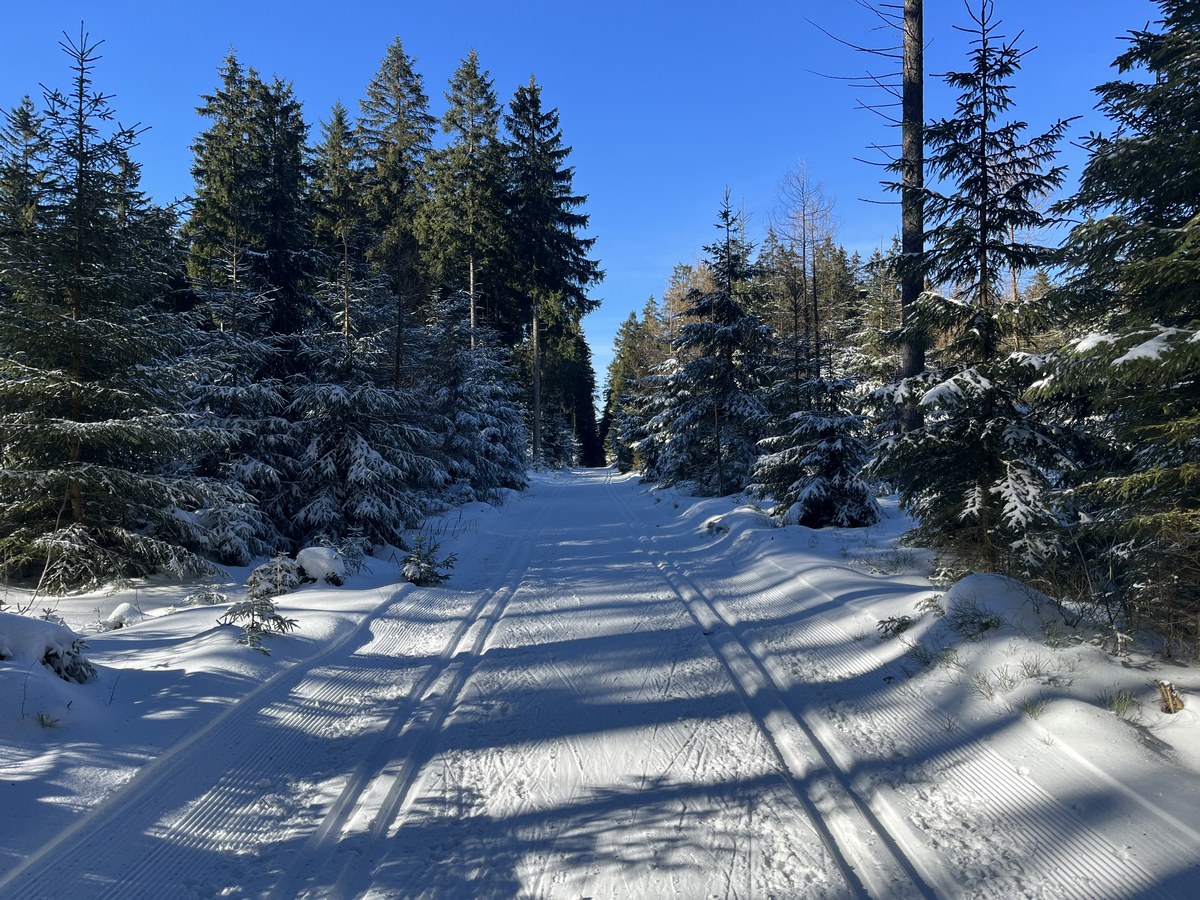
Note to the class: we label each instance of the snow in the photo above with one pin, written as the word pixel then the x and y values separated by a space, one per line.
pixel 621 691
pixel 1091 341
pixel 1150 350
pixel 24 640
pixel 322 564
pixel 956 387
pixel 124 614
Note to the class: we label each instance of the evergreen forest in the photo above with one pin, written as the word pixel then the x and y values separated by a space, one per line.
pixel 350 326
pixel 1034 400
pixel 343 330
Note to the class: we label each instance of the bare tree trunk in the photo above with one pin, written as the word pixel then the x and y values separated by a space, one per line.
pixel 537 389
pixel 346 293
pixel 912 204
pixel 471 291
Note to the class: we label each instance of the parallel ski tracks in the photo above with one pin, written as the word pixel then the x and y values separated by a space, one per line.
pixel 103 834
pixel 1085 863
pixel 336 861
pixel 337 692
pixel 872 861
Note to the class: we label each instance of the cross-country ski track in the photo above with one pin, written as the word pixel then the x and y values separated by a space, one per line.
pixel 620 695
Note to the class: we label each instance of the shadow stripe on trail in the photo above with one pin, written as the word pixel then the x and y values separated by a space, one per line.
pixel 872 860
pixel 337 860
pixel 105 828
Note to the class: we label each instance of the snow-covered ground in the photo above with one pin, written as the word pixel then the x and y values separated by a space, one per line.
pixel 621 692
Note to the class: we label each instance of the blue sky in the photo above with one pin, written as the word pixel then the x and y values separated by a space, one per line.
pixel 666 104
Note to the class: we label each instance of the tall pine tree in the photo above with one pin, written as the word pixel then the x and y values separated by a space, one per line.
pixel 549 267
pixel 395 134
pixel 464 224
pixel 93 481
pixel 974 473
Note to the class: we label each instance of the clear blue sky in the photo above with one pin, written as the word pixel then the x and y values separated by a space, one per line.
pixel 665 103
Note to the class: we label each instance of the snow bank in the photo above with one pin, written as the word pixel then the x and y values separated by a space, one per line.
pixel 124 614
pixel 322 564
pixel 26 641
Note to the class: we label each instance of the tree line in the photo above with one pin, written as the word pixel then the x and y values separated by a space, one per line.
pixel 1052 428
pixel 331 339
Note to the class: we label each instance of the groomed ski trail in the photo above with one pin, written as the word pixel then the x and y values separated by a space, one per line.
pixel 609 701
pixel 201 818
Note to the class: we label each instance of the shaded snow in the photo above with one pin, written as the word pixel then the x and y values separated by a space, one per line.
pixel 1092 341
pixel 620 692
pixel 1150 350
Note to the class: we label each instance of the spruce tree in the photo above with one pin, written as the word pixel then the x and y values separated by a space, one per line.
pixel 476 394
pixel 709 412
pixel 549 267
pixel 341 232
pixel 464 223
pixel 810 467
pixel 367 468
pixel 281 137
pixel 94 478
pixel 877 359
pixel 395 134
pixel 974 473
pixel 221 232
pixel 1132 382
pixel 253 268
pixel 248 230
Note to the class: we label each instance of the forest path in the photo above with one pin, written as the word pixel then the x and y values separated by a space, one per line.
pixel 614 698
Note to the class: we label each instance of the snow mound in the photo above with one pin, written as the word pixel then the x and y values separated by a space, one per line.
pixel 26 641
pixel 322 564
pixel 124 614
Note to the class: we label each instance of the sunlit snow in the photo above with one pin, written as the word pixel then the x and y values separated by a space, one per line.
pixel 621 692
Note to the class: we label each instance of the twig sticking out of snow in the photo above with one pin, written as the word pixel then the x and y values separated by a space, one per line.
pixel 1171 701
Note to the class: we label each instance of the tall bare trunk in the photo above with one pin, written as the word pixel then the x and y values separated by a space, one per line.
pixel 912 204
pixel 471 292
pixel 537 389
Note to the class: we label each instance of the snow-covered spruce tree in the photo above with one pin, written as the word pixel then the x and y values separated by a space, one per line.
pixel 639 347
pixel 559 445
pixel 250 260
pixel 475 393
pixel 230 391
pixel 711 415
pixel 492 397
pixel 257 614
pixel 876 361
pixel 365 469
pixel 91 427
pixel 974 474
pixel 810 467
pixel 1132 383
pixel 646 427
